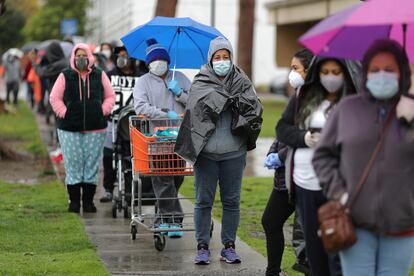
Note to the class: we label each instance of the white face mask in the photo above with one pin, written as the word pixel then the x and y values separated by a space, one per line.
pixel 106 53
pixel 158 67
pixel 295 79
pixel 332 83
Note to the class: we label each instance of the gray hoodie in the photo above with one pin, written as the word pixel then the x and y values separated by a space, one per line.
pixel 386 201
pixel 152 98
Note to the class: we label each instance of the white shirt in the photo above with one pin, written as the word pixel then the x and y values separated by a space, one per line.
pixel 303 173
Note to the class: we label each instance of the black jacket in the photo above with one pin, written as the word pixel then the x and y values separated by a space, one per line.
pixel 279 180
pixel 208 98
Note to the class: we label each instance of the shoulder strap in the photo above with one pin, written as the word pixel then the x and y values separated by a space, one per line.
pixel 373 156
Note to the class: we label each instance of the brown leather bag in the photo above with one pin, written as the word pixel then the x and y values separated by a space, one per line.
pixel 336 228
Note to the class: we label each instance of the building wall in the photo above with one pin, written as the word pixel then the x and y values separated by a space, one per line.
pixel 292 18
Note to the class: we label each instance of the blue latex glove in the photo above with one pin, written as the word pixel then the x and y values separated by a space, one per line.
pixel 173 115
pixel 174 88
pixel 273 161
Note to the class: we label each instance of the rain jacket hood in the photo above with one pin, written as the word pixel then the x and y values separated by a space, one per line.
pixel 54 52
pixel 352 73
pixel 55 61
pixel 209 97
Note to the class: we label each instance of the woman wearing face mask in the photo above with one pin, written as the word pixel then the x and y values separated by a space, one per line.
pixel 383 210
pixel 279 207
pixel 107 52
pixel 327 82
pixel 222 122
pixel 81 98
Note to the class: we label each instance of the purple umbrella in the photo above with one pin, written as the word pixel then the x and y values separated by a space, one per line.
pixel 349 33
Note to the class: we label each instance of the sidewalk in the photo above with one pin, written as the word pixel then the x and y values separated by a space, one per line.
pixel 123 256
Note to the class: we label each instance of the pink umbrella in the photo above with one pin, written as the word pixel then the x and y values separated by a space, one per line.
pixel 349 33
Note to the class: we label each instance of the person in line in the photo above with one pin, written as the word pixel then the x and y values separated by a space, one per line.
pixel 383 210
pixel 280 207
pixel 157 95
pixel 221 123
pixel 82 97
pixel 12 77
pixel 123 78
pixel 327 83
pixel 106 49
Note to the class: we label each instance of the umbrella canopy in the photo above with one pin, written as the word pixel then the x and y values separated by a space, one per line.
pixel 12 52
pixel 186 40
pixel 30 46
pixel 349 33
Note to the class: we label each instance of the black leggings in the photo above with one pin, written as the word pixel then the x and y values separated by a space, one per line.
pixel 277 211
pixel 321 263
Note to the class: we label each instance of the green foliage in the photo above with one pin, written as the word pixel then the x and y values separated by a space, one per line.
pixel 46 23
pixel 272 111
pixel 11 26
pixel 39 236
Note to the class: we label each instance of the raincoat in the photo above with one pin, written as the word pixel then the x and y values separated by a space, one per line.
pixel 209 98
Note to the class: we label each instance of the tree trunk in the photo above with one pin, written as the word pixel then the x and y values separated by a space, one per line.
pixel 166 8
pixel 246 32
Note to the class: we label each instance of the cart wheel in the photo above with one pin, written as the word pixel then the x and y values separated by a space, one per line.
pixel 159 242
pixel 114 209
pixel 126 214
pixel 133 232
pixel 211 228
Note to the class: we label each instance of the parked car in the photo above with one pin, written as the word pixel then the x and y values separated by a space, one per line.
pixel 280 82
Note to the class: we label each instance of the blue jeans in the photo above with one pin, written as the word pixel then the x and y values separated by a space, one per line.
pixel 229 174
pixel 378 255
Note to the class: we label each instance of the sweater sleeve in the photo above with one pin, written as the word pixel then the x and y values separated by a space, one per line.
pixel 109 95
pixel 142 103
pixel 326 159
pixel 56 97
pixel 287 132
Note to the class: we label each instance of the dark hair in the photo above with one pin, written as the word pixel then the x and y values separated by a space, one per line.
pixel 107 44
pixel 395 49
pixel 305 56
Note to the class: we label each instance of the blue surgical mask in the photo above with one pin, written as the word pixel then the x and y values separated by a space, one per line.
pixel 222 67
pixel 382 85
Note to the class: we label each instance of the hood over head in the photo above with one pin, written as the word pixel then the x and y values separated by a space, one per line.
pixel 351 69
pixel 88 51
pixel 394 48
pixel 217 44
pixel 54 52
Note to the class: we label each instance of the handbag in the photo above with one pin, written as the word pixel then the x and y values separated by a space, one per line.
pixel 336 228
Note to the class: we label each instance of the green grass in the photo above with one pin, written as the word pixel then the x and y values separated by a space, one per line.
pixel 22 127
pixel 254 196
pixel 272 111
pixel 39 236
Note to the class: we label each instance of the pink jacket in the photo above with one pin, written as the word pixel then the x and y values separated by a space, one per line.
pixel 56 95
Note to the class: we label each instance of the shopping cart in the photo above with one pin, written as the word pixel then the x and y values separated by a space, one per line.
pixel 152 148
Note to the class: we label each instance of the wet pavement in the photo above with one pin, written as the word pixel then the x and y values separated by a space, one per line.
pixel 124 256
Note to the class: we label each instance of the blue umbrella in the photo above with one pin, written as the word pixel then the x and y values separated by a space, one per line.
pixel 186 40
